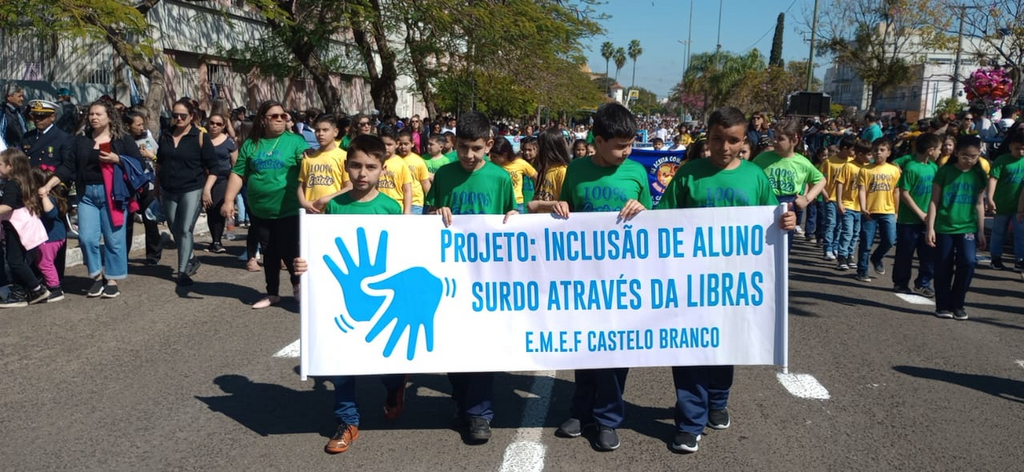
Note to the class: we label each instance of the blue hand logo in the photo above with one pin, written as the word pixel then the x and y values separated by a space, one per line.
pixel 414 296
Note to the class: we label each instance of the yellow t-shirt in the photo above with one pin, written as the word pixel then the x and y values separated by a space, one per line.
pixel 851 179
pixel 984 163
pixel 323 173
pixel 831 169
pixel 394 175
pixel 418 171
pixel 880 182
pixel 516 169
pixel 550 186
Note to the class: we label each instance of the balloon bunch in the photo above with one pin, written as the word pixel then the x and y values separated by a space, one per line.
pixel 989 85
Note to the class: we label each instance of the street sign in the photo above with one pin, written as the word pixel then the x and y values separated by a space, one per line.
pixel 634 94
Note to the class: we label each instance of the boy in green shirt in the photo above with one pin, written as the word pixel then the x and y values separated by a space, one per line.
pixel 366 157
pixel 435 154
pixel 472 186
pixel 606 182
pixel 915 187
pixel 722 180
pixel 1004 187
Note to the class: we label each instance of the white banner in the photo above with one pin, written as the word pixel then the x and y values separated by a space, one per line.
pixel 404 294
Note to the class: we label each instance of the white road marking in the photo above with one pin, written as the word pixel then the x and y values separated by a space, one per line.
pixel 290 351
pixel 526 453
pixel 915 299
pixel 803 386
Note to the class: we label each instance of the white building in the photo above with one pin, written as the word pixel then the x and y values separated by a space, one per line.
pixel 193 38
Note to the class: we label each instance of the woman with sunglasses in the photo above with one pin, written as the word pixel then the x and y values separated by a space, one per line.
pixel 213 193
pixel 105 142
pixel 187 162
pixel 269 161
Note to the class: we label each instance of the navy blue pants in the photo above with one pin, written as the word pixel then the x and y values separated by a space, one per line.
pixel 598 396
pixel 473 393
pixel 955 258
pixel 700 389
pixel 345 408
pixel 910 238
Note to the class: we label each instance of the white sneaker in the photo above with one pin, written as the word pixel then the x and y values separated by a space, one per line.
pixel 799 231
pixel 829 257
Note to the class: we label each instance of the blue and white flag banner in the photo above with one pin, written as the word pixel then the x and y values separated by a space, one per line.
pixel 404 294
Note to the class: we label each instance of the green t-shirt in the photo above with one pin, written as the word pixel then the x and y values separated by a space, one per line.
pixel 452 155
pixel 957 212
pixel 271 168
pixel 788 175
pixel 590 187
pixel 1008 172
pixel 902 161
pixel 345 140
pixel 917 179
pixel 434 164
pixel 699 184
pixel 486 191
pixel 380 205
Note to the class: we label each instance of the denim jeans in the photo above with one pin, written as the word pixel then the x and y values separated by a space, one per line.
pixel 955 258
pixel 417 209
pixel 849 233
pixel 94 219
pixel 881 222
pixel 911 237
pixel 999 224
pixel 182 212
pixel 345 408
pixel 813 219
pixel 831 227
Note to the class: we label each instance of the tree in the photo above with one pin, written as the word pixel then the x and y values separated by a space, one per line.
pixel 880 39
pixel 607 51
pixel 114 22
pixel 775 57
pixel 999 25
pixel 634 52
pixel 620 61
pixel 717 76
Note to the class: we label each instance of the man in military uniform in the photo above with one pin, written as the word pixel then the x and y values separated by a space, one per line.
pixel 48 147
pixel 67 119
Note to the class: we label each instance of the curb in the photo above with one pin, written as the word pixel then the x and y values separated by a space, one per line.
pixel 74 257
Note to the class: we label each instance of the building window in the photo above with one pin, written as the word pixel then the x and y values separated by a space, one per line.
pixel 217 77
pixel 99 76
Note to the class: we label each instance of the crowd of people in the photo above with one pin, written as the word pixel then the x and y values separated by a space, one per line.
pixel 259 170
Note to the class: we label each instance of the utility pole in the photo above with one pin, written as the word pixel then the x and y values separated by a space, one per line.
pixel 959 47
pixel 810 57
pixel 689 37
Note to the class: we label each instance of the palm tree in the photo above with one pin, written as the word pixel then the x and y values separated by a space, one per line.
pixel 634 52
pixel 607 51
pixel 620 61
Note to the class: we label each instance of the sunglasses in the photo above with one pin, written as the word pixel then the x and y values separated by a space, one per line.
pixel 216 123
pixel 277 116
pixel 39 116
pixel 180 116
pixel 364 123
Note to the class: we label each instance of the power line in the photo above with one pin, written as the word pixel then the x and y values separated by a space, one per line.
pixel 769 30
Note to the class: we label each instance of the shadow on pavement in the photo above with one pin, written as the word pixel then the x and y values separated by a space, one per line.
pixel 1009 389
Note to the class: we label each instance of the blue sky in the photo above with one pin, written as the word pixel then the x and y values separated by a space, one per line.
pixel 660 24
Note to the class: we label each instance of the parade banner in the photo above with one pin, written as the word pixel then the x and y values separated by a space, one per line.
pixel 661 166
pixel 404 294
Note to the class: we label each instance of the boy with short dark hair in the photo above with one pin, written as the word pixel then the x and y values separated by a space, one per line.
pixel 472 186
pixel 366 157
pixel 658 144
pixel 878 204
pixel 915 187
pixel 395 179
pixel 435 154
pixel 323 169
pixel 848 185
pixel 702 392
pixel 608 181
pixel 830 169
pixel 417 170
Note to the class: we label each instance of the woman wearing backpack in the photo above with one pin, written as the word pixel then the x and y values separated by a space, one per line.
pixel 187 160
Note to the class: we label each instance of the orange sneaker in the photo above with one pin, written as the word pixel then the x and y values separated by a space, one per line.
pixel 342 438
pixel 395 402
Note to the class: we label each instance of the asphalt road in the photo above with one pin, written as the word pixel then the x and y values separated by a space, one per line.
pixel 165 380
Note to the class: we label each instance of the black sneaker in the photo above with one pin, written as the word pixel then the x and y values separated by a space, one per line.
pixel 686 442
pixel 945 314
pixel 879 268
pixel 607 439
pixel 38 296
pixel 959 314
pixel 479 429
pixel 1018 266
pixel 111 291
pixel 185 281
pixel 56 294
pixel 902 289
pixel 863 277
pixel 996 264
pixel 926 292
pixel 193 266
pixel 719 419
pixel 13 301
pixel 152 260
pixel 216 248
pixel 844 263
pixel 571 428
pixel 96 289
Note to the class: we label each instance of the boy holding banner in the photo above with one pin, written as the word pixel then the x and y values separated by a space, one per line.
pixel 722 180
pixel 608 181
pixel 472 186
pixel 366 157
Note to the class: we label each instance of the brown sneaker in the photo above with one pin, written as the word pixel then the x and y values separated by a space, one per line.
pixel 395 402
pixel 342 438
